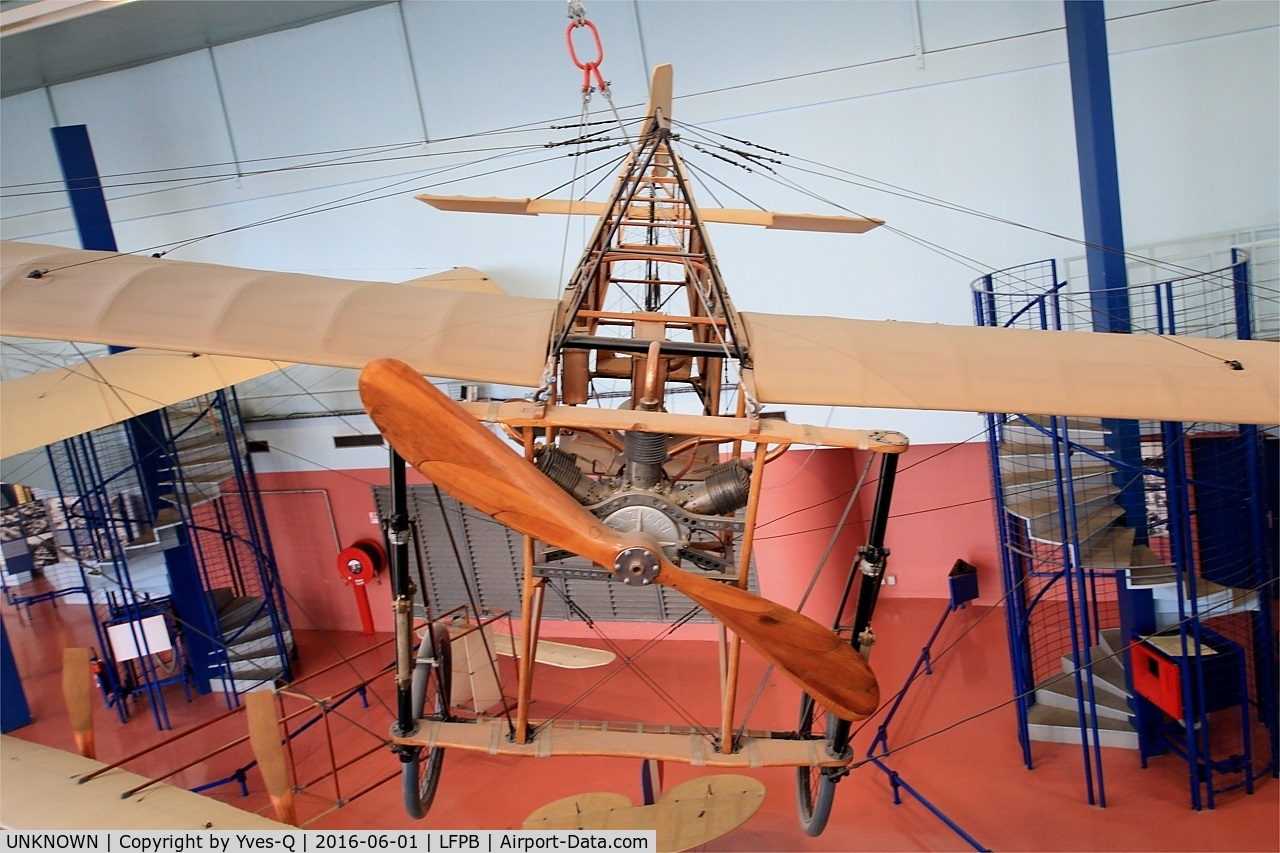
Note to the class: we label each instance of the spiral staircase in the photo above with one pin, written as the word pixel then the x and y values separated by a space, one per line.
pixel 167 520
pixel 1058 487
pixel 1138 561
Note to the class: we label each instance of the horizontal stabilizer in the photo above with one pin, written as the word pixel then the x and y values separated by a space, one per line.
pixel 642 212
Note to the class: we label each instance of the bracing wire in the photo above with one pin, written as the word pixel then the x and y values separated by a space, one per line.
pixel 337 204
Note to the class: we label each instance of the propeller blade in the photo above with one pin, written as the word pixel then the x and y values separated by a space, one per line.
pixel 264 739
pixel 77 689
pixel 475 466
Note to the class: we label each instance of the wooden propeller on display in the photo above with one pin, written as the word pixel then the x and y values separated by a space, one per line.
pixel 77 689
pixel 465 459
pixel 264 739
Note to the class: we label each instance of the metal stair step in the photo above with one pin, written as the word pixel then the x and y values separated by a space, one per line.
pixel 1110 549
pixel 154 539
pixel 1044 450
pixel 1206 592
pixel 147 575
pixel 242 685
pixel 1060 692
pixel 1057 725
pixel 201 441
pixel 1087 525
pixel 168 517
pixel 194 497
pixel 1144 556
pixel 263 646
pixel 256 669
pixel 1021 434
pixel 1106 670
pixel 1111 641
pixel 1017 474
pixel 261 626
pixel 1083 424
pixel 220 597
pixel 1033 507
pixel 208 458
pixel 196 479
pixel 241 611
pixel 1214 599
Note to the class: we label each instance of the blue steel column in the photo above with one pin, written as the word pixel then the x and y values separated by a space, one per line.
pixel 1096 152
pixel 93 221
pixel 14 711
pixel 1100 203
pixel 1090 70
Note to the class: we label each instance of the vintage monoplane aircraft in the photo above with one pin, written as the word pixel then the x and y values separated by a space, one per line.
pixel 647 496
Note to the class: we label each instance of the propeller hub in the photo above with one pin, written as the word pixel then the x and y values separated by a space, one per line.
pixel 635 566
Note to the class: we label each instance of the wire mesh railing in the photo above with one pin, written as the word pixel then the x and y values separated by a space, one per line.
pixel 1118 538
pixel 162 517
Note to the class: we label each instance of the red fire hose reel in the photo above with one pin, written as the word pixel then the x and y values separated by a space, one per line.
pixel 358 565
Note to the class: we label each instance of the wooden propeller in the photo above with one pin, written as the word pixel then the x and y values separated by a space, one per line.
pixel 264 739
pixel 77 689
pixel 475 466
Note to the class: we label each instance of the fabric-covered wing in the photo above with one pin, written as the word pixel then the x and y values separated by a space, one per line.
pixel 829 361
pixel 56 404
pixel 145 302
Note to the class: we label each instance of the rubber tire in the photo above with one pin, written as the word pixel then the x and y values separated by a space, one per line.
pixel 815 787
pixel 420 775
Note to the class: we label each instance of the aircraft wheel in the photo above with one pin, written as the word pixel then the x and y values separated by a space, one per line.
pixel 432 685
pixel 816 786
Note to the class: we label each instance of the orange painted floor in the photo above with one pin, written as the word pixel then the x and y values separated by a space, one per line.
pixel 955 737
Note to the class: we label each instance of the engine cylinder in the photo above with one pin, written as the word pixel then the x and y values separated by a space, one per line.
pixel 562 468
pixel 725 489
pixel 646 453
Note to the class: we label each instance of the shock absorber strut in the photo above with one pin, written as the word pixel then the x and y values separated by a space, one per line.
pixel 399 532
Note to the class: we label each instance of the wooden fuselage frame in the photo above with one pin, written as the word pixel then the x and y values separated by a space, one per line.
pixel 649 251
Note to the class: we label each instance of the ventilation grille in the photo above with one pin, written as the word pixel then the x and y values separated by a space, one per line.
pixel 489 558
pixel 359 440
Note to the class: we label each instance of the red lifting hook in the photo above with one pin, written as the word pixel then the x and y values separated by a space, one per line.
pixel 589 69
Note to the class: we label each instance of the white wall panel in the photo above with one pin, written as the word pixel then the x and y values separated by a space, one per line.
pixel 159 116
pixel 736 42
pixel 483 66
pixel 946 24
pixel 341 83
pixel 1197 136
pixel 26 161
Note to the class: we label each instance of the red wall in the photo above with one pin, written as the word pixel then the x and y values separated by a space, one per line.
pixel 311 516
pixel 942 510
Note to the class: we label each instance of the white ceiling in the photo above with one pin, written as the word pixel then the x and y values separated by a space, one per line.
pixel 45 42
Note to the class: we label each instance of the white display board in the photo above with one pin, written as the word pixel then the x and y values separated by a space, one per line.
pixel 151 633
